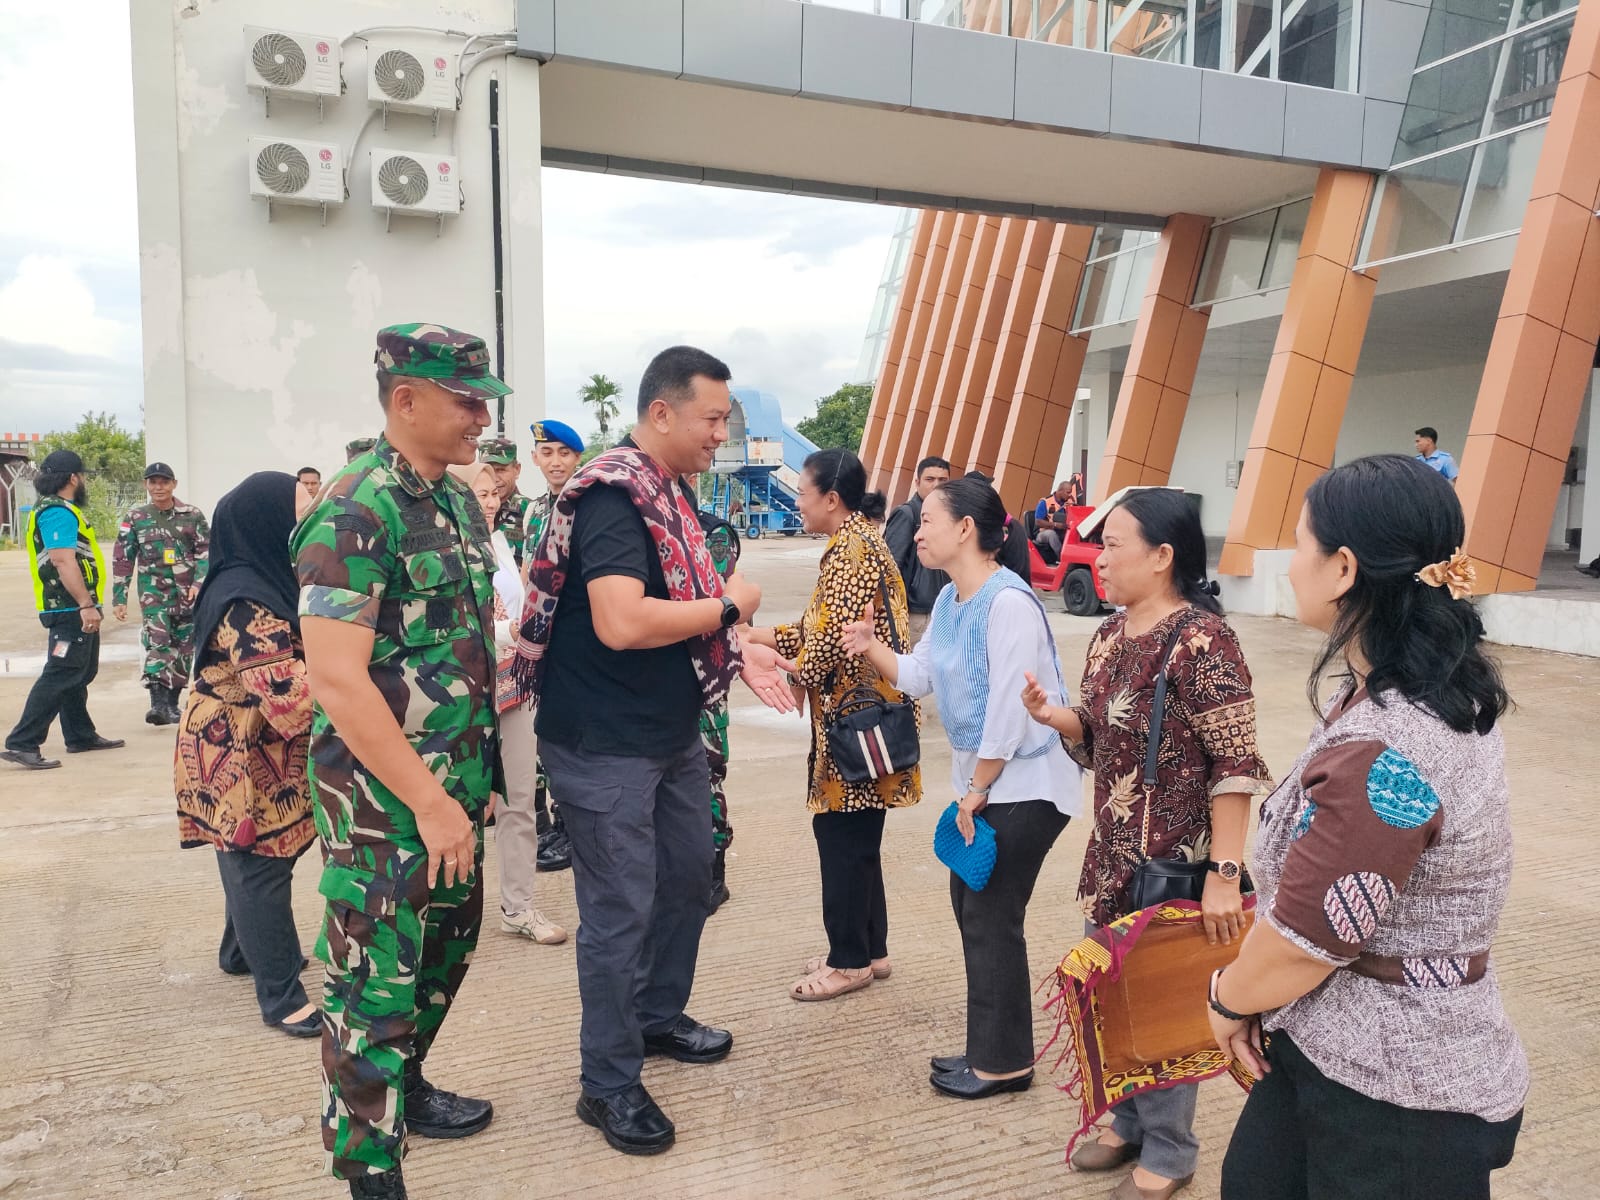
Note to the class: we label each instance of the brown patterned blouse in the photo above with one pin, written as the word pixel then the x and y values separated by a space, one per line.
pixel 1208 747
pixel 240 767
pixel 856 560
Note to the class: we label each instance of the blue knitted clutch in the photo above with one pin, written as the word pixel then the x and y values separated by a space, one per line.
pixel 974 863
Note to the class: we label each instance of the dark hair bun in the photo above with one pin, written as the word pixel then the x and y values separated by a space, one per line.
pixel 873 506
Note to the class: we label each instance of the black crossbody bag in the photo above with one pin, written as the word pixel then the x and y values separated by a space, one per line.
pixel 1163 880
pixel 870 737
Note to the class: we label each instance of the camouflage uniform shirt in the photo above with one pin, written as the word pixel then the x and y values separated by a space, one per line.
pixel 411 560
pixel 169 548
pixel 512 520
pixel 539 510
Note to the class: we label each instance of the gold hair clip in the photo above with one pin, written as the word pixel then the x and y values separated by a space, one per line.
pixel 1456 573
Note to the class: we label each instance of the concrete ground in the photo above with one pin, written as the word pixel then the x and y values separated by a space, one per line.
pixel 135 1068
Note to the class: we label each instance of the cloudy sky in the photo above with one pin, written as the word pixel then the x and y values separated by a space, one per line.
pixel 780 286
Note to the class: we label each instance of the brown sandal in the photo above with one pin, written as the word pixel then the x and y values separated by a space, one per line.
pixel 829 983
pixel 882 968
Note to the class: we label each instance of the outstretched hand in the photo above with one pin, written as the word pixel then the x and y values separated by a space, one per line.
pixel 860 636
pixel 1036 701
pixel 763 673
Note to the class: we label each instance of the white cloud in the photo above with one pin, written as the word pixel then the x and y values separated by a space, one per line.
pixel 47 303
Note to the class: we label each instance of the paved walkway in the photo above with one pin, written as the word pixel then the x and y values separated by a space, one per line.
pixel 135 1068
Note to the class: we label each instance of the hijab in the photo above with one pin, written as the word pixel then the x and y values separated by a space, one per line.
pixel 250 554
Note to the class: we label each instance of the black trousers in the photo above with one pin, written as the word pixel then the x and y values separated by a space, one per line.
pixel 259 936
pixel 999 986
pixel 1302 1136
pixel 71 663
pixel 855 912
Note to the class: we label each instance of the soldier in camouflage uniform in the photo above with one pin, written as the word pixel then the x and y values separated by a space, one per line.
pixel 167 541
pixel 512 519
pixel 723 542
pixel 395 565
pixel 356 447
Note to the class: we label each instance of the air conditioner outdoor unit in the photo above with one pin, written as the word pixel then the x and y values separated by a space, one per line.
pixel 411 81
pixel 415 184
pixel 288 171
pixel 280 63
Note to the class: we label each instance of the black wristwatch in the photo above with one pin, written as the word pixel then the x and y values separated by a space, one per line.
pixel 730 613
pixel 1226 868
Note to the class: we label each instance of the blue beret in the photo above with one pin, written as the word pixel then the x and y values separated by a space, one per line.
pixel 557 431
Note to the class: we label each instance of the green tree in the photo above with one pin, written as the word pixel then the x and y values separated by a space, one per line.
pixel 114 460
pixel 841 418
pixel 600 394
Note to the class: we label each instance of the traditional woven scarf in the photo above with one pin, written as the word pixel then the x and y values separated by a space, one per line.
pixel 685 562
pixel 1098 960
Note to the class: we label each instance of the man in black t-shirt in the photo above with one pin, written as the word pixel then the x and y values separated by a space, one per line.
pixel 619 734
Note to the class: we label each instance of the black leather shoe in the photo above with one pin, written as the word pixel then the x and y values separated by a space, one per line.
pixel 690 1042
pixel 434 1113
pixel 948 1065
pixel 964 1085
pixel 99 743
pixel 31 759
pixel 390 1185
pixel 555 851
pixel 305 1027
pixel 631 1121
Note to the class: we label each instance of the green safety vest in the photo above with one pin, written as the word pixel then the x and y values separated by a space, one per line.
pixel 49 593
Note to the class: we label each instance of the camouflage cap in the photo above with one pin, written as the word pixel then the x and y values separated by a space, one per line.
pixel 497 451
pixel 456 361
pixel 358 446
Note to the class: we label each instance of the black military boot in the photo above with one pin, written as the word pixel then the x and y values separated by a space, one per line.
pixel 433 1113
pixel 555 848
pixel 388 1185
pixel 158 706
pixel 719 886
pixel 174 713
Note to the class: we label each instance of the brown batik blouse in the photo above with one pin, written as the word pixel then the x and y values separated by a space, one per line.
pixel 1207 749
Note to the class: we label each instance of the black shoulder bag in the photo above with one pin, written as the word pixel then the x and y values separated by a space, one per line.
pixel 870 737
pixel 1163 880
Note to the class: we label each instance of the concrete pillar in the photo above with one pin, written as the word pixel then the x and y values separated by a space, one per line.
pixel 1544 341
pixel 1162 361
pixel 1308 380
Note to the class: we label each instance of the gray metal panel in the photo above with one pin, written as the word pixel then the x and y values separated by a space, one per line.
pixel 536 28
pixel 914 199
pixel 754 43
pixel 1063 86
pixel 1154 100
pixel 575 160
pixel 960 71
pixel 646 35
pixel 748 181
pixel 1323 126
pixel 648 168
pixel 1391 35
pixel 1379 132
pixel 1240 112
pixel 835 191
pixel 855 56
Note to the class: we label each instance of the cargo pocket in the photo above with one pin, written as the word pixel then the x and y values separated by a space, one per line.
pixel 433 613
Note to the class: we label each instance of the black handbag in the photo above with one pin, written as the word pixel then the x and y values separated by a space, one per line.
pixel 870 737
pixel 1163 880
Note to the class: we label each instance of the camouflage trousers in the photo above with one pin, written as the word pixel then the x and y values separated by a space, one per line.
pixel 397 952
pixel 167 631
pixel 714 736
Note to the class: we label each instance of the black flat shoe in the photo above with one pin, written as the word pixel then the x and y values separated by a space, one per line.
pixel 435 1113
pixel 964 1085
pixel 690 1042
pixel 31 759
pixel 631 1121
pixel 949 1064
pixel 99 743
pixel 305 1027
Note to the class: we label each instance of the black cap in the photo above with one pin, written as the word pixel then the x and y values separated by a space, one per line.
pixel 159 470
pixel 62 462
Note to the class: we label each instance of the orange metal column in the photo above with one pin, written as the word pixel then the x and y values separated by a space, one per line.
pixel 1047 381
pixel 990 326
pixel 1161 364
pixel 941 320
pixel 1308 381
pixel 963 332
pixel 1544 342
pixel 883 395
pixel 1001 389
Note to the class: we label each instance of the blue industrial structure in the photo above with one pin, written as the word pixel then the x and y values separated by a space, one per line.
pixel 758 467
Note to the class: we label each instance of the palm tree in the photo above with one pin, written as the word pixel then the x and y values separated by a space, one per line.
pixel 598 393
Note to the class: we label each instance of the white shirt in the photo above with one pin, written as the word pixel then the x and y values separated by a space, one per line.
pixel 508 587
pixel 1018 641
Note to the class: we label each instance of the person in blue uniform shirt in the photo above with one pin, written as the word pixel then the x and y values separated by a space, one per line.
pixel 1428 452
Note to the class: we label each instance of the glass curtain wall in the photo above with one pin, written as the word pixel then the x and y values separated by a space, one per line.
pixel 1115 277
pixel 1473 126
pixel 1252 254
